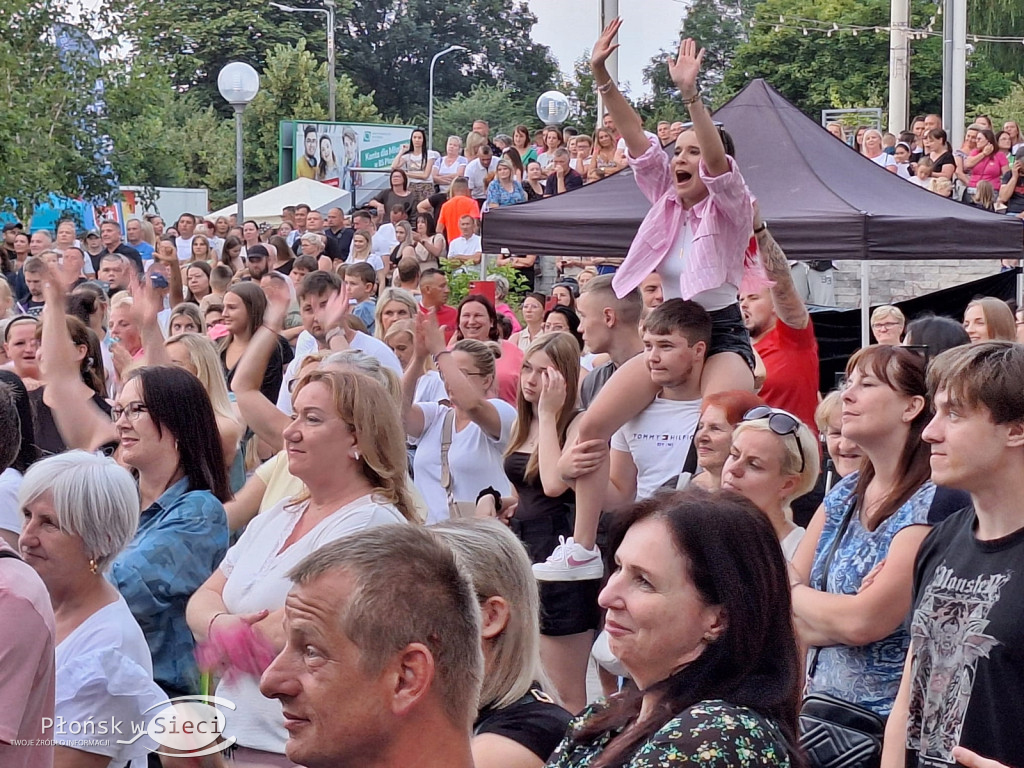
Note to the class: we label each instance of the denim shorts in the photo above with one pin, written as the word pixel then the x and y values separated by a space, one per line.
pixel 728 334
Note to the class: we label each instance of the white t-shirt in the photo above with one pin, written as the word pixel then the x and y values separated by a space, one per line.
pixel 306 345
pixel 884 160
pixel 388 238
pixel 412 163
pixel 475 460
pixel 10 514
pixel 104 671
pixel 442 167
pixel 257 579
pixel 430 388
pixel 460 246
pixel 658 440
pixel 184 248
pixel 671 269
pixel 477 173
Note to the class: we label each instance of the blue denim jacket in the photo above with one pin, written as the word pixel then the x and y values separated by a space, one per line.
pixel 181 539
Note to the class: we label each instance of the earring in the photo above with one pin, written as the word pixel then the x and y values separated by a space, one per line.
pixel 355 454
pixel 93 567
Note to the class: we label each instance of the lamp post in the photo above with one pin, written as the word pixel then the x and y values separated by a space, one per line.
pixel 238 83
pixel 332 83
pixel 430 97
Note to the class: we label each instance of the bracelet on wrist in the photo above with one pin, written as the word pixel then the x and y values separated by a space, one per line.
pixel 693 99
pixel 209 627
pixel 604 87
pixel 762 228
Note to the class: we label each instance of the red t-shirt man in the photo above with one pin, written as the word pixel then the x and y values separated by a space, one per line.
pixel 790 357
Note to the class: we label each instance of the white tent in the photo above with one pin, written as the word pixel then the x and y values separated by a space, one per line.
pixel 266 206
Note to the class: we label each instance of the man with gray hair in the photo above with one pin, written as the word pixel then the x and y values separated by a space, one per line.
pixel 564 178
pixel 382 664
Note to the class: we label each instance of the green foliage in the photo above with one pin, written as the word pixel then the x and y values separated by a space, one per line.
pixel 459 280
pixel 1000 18
pixel 1009 107
pixel 293 86
pixel 502 110
pixel 817 71
pixel 193 40
pixel 389 44
pixel 580 90
pixel 49 132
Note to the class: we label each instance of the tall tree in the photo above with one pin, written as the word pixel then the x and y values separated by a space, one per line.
pixel 389 44
pixel 293 87
pixel 499 108
pixel 194 39
pixel 52 129
pixel 999 18
pixel 817 70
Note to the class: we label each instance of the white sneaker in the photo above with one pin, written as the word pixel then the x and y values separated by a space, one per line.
pixel 570 562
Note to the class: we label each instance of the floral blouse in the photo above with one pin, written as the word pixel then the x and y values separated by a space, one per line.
pixel 712 733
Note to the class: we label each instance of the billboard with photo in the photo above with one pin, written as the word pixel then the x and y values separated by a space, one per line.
pixel 327 152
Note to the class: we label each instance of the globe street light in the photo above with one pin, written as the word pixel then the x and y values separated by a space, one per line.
pixel 552 108
pixel 238 83
pixel 332 84
pixel 430 97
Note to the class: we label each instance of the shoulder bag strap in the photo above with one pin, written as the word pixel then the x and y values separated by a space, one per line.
pixel 447 430
pixel 822 585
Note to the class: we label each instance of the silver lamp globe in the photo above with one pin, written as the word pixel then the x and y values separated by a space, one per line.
pixel 552 107
pixel 238 83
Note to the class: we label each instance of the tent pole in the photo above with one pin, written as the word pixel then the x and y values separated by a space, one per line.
pixel 865 302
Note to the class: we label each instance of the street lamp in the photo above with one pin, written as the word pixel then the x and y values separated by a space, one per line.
pixel 238 83
pixel 332 85
pixel 430 98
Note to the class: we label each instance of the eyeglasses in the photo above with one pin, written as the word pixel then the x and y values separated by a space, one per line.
pixel 781 423
pixel 132 411
pixel 884 326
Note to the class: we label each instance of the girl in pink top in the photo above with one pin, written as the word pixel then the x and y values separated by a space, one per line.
pixel 986 162
pixel 697 237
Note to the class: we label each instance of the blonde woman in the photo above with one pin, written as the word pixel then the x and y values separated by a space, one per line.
pixel 888 324
pixel 773 462
pixel 202 250
pixel 345 444
pixel 197 354
pixel 401 339
pixel 393 305
pixel 186 318
pixel 474 141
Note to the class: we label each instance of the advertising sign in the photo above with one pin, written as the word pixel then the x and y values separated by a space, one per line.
pixel 326 152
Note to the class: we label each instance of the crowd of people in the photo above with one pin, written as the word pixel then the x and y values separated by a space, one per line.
pixel 276 466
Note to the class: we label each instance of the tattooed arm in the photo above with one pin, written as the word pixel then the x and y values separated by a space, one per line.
pixel 789 307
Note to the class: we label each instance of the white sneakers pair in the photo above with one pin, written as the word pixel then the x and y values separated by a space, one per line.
pixel 570 562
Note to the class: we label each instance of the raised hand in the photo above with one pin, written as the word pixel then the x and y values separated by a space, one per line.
pixel 604 47
pixel 146 302
pixel 552 391
pixel 685 67
pixel 337 308
pixel 433 334
pixel 278 300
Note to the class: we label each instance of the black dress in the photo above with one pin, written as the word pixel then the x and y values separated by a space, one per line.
pixel 566 607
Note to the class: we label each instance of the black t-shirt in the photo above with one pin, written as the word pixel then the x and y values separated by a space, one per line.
pixel 946 158
pixel 534 721
pixel 343 238
pixel 573 180
pixel 1016 202
pixel 967 631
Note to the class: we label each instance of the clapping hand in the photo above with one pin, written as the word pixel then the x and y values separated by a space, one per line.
pixel 429 335
pixel 336 309
pixel 278 299
pixel 685 68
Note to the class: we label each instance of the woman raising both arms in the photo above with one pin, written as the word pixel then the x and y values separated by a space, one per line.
pixel 696 238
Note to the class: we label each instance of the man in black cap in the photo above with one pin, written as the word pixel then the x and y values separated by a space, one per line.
pixel 258 259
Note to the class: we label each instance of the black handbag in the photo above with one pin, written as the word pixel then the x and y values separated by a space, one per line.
pixel 835 733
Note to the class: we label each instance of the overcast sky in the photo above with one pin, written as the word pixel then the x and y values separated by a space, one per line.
pixel 570 27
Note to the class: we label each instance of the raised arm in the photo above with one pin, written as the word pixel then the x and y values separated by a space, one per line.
pixel 266 420
pixel 626 119
pixel 789 307
pixel 412 414
pixel 80 422
pixel 684 71
pixel 146 304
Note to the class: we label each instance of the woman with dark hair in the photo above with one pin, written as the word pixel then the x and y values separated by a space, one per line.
pixel 477 319
pixel 329 168
pixel 28 453
pixel 522 144
pixel 398 193
pixel 284 256
pixel 936 147
pixel 855 619
pixel 533 184
pixel 250 234
pixel 429 245
pixel 698 612
pixel 935 334
pixel 517 162
pixel 417 160
pixel 183 532
pixel 244 305
pixel 986 162
pixel 552 141
pixel 197 282
pixel 561 319
pixel 564 295
pixel 231 254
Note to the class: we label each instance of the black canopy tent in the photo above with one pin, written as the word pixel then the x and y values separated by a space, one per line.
pixel 821 198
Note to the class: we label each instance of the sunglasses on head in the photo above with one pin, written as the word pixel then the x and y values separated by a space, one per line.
pixel 781 423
